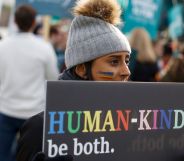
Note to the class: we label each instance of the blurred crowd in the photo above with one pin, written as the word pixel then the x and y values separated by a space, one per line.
pixel 151 60
pixel 57 37
pixel 160 60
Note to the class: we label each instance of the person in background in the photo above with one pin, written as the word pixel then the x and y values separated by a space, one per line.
pixel 145 67
pixel 174 71
pixel 158 45
pixel 58 37
pixel 55 37
pixel 167 54
pixel 165 60
pixel 38 30
pixel 180 45
pixel 25 63
pixel 96 50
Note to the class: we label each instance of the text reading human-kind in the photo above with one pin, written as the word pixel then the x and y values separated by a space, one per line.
pixel 114 120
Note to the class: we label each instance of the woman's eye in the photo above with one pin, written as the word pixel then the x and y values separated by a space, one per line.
pixel 114 62
pixel 127 62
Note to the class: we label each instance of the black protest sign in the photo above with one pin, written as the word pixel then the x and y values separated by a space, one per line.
pixel 114 121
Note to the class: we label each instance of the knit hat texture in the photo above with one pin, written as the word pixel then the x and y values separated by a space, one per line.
pixel 93 32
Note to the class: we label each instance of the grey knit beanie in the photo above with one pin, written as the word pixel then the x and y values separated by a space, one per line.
pixel 93 33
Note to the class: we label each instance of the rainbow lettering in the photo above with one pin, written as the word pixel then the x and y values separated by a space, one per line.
pixel 62 122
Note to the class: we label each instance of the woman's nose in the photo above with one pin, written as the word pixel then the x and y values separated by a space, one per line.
pixel 124 71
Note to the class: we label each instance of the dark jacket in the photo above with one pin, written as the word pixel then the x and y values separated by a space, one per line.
pixel 144 72
pixel 30 141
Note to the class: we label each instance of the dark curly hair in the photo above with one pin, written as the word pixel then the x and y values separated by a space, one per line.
pixel 25 17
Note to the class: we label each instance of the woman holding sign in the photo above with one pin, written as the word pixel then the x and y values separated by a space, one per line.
pixel 96 50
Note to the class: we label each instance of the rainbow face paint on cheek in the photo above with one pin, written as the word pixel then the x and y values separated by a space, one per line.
pixel 106 74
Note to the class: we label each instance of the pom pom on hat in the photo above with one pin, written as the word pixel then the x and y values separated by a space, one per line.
pixel 107 10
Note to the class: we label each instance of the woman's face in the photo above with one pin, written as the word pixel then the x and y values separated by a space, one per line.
pixel 112 67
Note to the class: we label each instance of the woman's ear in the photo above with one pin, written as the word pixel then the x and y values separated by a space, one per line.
pixel 80 70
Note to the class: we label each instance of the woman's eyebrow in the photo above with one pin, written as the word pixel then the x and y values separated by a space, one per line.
pixel 119 56
pixel 115 56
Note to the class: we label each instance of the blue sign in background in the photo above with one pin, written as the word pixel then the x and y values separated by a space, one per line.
pixel 141 13
pixel 176 20
pixel 60 8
